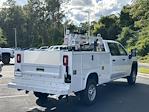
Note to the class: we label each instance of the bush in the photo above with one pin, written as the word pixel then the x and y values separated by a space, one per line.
pixel 143 42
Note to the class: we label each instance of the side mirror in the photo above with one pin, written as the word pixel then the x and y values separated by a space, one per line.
pixel 130 56
pixel 133 53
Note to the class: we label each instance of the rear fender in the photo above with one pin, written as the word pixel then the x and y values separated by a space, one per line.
pixel 85 80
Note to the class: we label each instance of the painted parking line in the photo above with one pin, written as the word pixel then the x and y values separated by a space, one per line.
pixel 3 84
pixel 12 96
pixel 36 109
pixel 144 76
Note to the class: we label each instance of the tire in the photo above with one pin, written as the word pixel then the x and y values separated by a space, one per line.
pixel 132 78
pixel 6 59
pixel 41 95
pixel 88 96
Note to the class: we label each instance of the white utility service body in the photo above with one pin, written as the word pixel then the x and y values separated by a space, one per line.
pixel 65 72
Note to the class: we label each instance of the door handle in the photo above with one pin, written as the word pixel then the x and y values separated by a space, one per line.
pixel 123 59
pixel 40 69
pixel 92 57
pixel 113 60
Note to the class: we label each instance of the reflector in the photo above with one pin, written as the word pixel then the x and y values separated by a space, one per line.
pixel 18 58
pixel 65 60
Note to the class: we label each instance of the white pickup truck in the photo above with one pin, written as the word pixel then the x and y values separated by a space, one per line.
pixel 73 71
pixel 6 54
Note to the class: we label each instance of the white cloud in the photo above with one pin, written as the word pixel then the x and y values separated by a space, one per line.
pixel 1 2
pixel 97 8
pixel 86 3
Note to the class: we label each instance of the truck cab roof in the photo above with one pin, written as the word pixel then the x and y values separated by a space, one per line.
pixel 110 41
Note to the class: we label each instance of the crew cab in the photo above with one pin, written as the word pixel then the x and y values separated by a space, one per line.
pixel 79 70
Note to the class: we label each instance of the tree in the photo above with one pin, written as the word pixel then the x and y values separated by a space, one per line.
pixel 10 18
pixel 108 27
pixel 125 17
pixel 3 41
pixel 134 21
pixel 127 37
pixel 140 13
pixel 38 23
pixel 35 23
pixel 143 42
pixel 84 27
pixel 54 16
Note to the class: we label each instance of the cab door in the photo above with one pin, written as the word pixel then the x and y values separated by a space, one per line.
pixel 119 60
pixel 126 61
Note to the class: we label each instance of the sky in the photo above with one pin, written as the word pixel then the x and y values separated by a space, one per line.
pixel 81 10
pixel 78 9
pixel 20 2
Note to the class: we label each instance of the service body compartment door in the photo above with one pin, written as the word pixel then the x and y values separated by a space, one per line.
pixel 85 63
pixel 76 71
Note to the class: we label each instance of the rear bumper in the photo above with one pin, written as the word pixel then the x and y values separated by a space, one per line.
pixel 57 89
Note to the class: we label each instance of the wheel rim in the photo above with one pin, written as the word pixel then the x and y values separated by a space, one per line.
pixel 92 92
pixel 134 76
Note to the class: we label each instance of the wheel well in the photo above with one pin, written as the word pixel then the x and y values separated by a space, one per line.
pixel 93 76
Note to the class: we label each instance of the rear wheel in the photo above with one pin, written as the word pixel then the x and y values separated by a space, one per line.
pixel 41 95
pixel 132 78
pixel 88 96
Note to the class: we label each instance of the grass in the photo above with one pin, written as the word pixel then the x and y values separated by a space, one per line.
pixel 144 70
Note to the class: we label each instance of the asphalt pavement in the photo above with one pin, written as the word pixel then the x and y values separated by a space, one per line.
pixel 116 96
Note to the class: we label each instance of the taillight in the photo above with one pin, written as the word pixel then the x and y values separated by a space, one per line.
pixel 18 58
pixel 67 75
pixel 65 60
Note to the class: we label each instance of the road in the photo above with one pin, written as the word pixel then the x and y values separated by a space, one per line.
pixel 145 65
pixel 116 96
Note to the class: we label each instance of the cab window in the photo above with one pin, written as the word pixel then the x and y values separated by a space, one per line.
pixel 114 50
pixel 122 50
